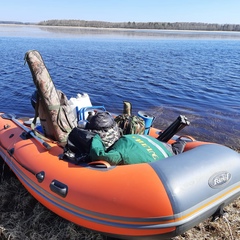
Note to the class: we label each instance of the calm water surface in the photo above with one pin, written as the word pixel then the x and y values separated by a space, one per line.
pixel 166 73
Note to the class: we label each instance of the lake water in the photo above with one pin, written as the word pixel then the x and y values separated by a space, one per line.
pixel 166 73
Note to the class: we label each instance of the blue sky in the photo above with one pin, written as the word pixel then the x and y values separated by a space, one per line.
pixel 207 11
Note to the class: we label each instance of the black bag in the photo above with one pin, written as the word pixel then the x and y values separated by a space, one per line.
pixel 78 145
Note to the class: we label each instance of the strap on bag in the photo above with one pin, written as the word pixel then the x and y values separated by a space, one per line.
pixel 33 124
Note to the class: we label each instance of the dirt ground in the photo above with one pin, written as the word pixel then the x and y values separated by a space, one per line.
pixel 22 217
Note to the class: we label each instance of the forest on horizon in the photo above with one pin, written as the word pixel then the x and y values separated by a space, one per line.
pixel 136 25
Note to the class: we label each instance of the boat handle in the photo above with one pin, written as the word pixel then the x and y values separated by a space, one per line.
pixel 99 164
pixel 59 188
pixel 189 137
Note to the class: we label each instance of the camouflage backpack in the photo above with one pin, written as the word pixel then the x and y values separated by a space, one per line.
pixel 128 123
pixel 104 125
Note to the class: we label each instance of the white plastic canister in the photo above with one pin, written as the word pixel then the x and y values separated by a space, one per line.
pixel 81 100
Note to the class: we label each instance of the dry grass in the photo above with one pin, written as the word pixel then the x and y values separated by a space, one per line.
pixel 22 217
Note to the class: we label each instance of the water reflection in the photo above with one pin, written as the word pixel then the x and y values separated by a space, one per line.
pixel 79 32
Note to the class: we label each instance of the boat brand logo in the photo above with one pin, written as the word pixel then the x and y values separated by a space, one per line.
pixel 219 179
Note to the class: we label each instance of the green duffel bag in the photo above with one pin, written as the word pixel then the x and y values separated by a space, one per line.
pixel 130 149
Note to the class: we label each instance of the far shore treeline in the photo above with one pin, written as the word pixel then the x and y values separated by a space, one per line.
pixel 136 25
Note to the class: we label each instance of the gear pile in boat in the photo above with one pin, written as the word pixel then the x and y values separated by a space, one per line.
pixel 100 139
pixel 122 139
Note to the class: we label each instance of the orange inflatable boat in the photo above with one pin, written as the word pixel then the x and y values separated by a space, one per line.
pixel 161 199
pixel 158 200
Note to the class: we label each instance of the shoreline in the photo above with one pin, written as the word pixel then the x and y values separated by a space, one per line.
pixel 41 31
pixel 120 29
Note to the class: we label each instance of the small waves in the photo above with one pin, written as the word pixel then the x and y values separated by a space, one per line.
pixel 196 78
